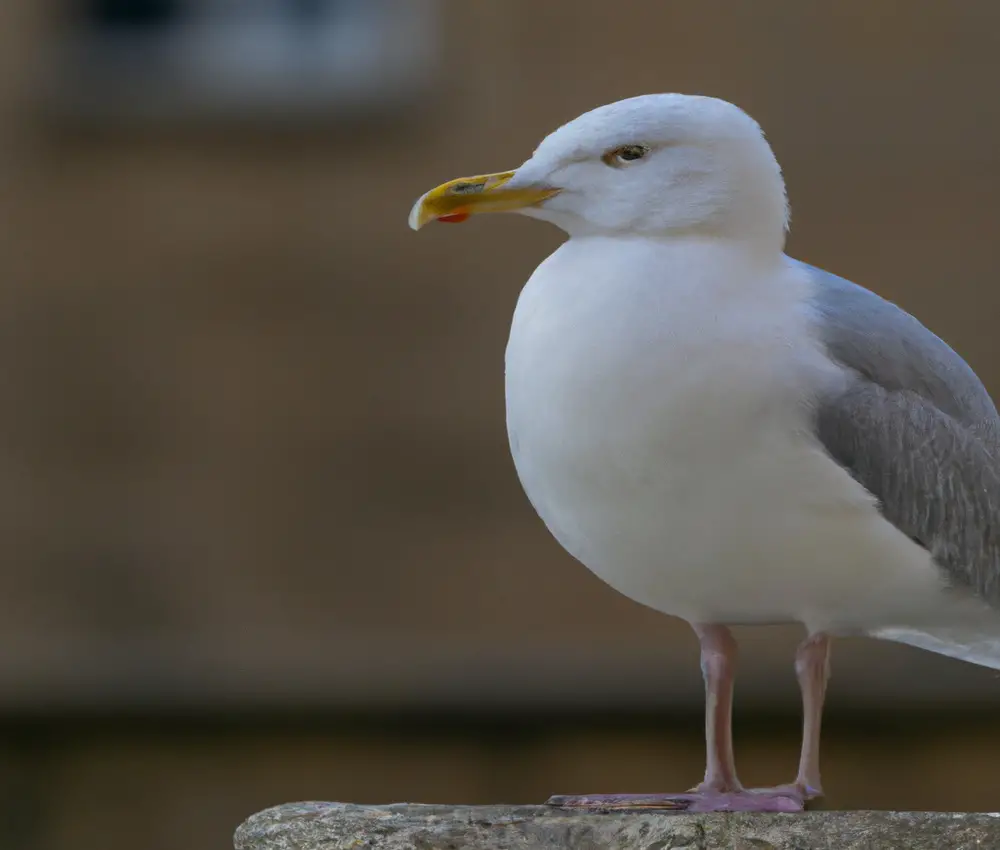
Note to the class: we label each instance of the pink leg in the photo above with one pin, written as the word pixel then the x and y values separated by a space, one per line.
pixel 718 667
pixel 721 790
pixel 812 666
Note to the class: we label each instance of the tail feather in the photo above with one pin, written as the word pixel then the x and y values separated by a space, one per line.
pixel 976 647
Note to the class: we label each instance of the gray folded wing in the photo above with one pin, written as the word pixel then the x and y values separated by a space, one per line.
pixel 916 428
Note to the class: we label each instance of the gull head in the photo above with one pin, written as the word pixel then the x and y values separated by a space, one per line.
pixel 653 165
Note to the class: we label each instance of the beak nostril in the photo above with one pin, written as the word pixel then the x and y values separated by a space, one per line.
pixel 468 188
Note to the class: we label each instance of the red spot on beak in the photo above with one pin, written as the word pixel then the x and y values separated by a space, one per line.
pixel 454 218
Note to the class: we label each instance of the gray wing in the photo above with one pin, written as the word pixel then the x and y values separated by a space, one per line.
pixel 916 428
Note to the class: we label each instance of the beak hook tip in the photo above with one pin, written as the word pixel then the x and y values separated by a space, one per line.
pixel 415 214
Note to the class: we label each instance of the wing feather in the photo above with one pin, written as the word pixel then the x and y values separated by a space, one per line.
pixel 916 428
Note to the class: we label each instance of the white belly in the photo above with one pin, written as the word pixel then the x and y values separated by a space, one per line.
pixel 663 437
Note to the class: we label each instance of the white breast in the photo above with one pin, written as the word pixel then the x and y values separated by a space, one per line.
pixel 658 411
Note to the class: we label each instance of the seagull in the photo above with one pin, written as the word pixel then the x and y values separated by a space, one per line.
pixel 729 435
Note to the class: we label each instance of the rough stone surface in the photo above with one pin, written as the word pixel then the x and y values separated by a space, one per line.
pixel 403 826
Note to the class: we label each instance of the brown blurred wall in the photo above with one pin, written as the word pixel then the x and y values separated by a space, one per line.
pixel 252 447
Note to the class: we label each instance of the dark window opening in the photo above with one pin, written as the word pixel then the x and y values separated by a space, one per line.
pixel 131 14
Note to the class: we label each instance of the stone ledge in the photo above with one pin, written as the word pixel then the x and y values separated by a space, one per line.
pixel 404 826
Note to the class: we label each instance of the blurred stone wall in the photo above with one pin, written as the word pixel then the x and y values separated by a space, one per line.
pixel 252 447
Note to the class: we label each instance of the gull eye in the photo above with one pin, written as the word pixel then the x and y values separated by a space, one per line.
pixel 624 155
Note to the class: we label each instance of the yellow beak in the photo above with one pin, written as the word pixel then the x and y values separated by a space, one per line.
pixel 457 199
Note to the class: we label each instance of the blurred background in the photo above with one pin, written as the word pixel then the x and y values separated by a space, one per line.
pixel 261 537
